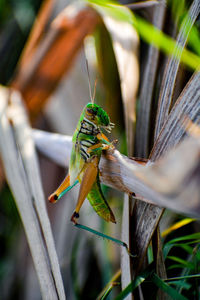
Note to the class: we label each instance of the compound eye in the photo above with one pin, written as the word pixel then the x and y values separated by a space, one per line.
pixel 90 111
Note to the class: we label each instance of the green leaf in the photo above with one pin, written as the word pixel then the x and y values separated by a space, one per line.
pixel 147 32
pixel 176 266
pixel 187 248
pixel 166 288
pixel 194 236
pixel 194 40
pixel 185 263
pixel 107 292
pixel 167 247
pixel 180 283
pixel 134 284
pixel 194 276
pixel 177 225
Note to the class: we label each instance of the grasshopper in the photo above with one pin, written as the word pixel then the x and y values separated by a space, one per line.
pixel 88 144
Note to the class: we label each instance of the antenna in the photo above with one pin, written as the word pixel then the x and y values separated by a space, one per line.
pixel 91 98
pixel 94 93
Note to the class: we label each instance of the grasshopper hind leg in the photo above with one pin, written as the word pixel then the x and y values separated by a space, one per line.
pixel 62 189
pixel 89 176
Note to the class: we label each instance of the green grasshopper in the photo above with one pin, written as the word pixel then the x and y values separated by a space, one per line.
pixel 88 144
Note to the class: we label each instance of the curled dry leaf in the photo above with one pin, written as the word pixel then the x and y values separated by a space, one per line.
pixel 162 183
pixel 53 145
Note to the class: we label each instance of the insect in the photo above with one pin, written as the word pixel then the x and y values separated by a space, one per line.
pixel 88 144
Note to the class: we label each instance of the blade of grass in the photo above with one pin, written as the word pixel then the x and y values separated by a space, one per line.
pixel 177 266
pixel 168 246
pixel 187 240
pixel 166 288
pixel 187 248
pixel 182 262
pixel 110 283
pixel 194 236
pixel 134 284
pixel 171 279
pixel 177 225
pixel 180 283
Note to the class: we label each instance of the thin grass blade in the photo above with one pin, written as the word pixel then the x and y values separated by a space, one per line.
pixel 166 288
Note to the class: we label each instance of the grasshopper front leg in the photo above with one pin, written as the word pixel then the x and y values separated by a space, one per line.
pixel 104 144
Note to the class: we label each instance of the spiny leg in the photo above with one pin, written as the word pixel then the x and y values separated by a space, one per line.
pixel 89 177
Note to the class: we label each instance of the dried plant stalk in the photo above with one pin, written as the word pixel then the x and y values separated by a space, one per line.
pixel 23 177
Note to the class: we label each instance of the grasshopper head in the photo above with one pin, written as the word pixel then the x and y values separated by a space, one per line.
pixel 98 116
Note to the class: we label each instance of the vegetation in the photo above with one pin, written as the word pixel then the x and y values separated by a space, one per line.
pixel 146 61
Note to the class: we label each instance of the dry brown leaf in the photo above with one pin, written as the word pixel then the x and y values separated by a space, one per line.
pixel 54 55
pixel 169 79
pixel 126 46
pixel 147 84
